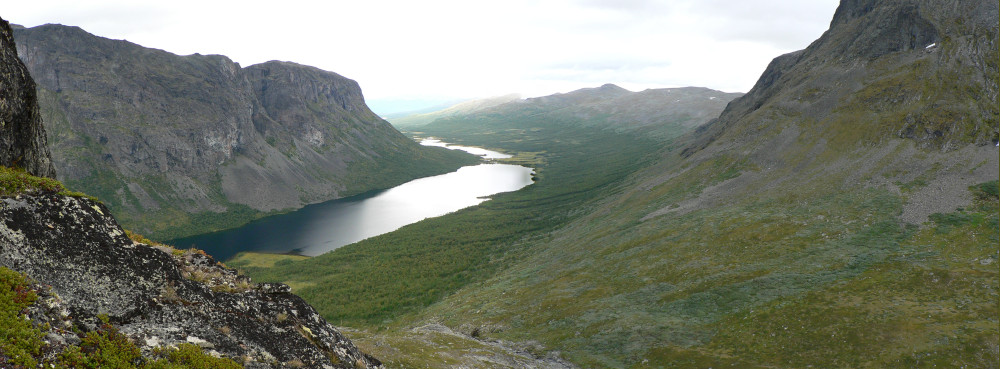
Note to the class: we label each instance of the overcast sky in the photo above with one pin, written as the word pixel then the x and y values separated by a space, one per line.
pixel 408 53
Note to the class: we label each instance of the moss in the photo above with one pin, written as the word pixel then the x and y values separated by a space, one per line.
pixel 16 181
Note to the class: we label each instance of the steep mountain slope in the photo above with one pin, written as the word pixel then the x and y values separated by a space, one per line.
pixel 76 291
pixel 841 214
pixel 23 142
pixel 184 144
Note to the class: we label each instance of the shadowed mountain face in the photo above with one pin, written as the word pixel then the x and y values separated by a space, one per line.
pixel 22 135
pixel 159 136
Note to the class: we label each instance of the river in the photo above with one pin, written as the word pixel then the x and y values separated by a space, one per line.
pixel 319 228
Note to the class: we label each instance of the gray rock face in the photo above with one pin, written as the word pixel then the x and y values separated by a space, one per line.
pixel 159 297
pixel 22 135
pixel 159 136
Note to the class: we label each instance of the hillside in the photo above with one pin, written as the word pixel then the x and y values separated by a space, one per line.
pixel 841 214
pixel 178 145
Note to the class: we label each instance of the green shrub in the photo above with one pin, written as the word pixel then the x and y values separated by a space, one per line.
pixel 109 348
pixel 105 348
pixel 988 191
pixel 187 355
pixel 20 341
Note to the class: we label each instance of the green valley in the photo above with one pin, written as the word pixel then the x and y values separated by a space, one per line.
pixel 830 217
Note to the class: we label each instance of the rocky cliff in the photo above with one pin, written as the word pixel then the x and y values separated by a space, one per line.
pixel 181 144
pixel 22 136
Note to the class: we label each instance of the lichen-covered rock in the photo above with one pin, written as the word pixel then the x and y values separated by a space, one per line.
pixel 22 137
pixel 158 296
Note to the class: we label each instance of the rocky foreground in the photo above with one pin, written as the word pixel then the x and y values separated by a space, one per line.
pixel 157 296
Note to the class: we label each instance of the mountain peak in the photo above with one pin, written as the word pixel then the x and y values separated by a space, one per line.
pixel 883 69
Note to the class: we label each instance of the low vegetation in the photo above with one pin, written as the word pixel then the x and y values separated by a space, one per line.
pixel 16 181
pixel 22 344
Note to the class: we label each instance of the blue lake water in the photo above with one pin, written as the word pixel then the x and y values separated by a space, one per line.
pixel 320 228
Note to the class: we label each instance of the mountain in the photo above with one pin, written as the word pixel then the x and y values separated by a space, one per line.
pixel 900 69
pixel 661 113
pixel 841 214
pixel 78 291
pixel 178 145
pixel 466 107
pixel 20 117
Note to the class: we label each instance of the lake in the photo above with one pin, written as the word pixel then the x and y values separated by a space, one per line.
pixel 319 228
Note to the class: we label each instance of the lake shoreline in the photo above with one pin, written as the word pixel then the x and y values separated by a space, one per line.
pixel 323 227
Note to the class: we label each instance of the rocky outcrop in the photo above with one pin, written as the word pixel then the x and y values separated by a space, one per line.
pixel 917 69
pixel 157 296
pixel 159 136
pixel 22 135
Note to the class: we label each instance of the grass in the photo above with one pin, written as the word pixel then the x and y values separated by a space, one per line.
pixel 16 181
pixel 262 260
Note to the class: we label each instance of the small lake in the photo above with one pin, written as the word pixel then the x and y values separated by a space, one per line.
pixel 319 228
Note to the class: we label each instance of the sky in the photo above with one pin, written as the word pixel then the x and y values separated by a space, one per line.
pixel 408 54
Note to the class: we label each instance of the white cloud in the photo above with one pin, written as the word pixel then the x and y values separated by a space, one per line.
pixel 446 49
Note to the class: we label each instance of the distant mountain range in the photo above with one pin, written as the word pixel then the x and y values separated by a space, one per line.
pixel 177 145
pixel 663 113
